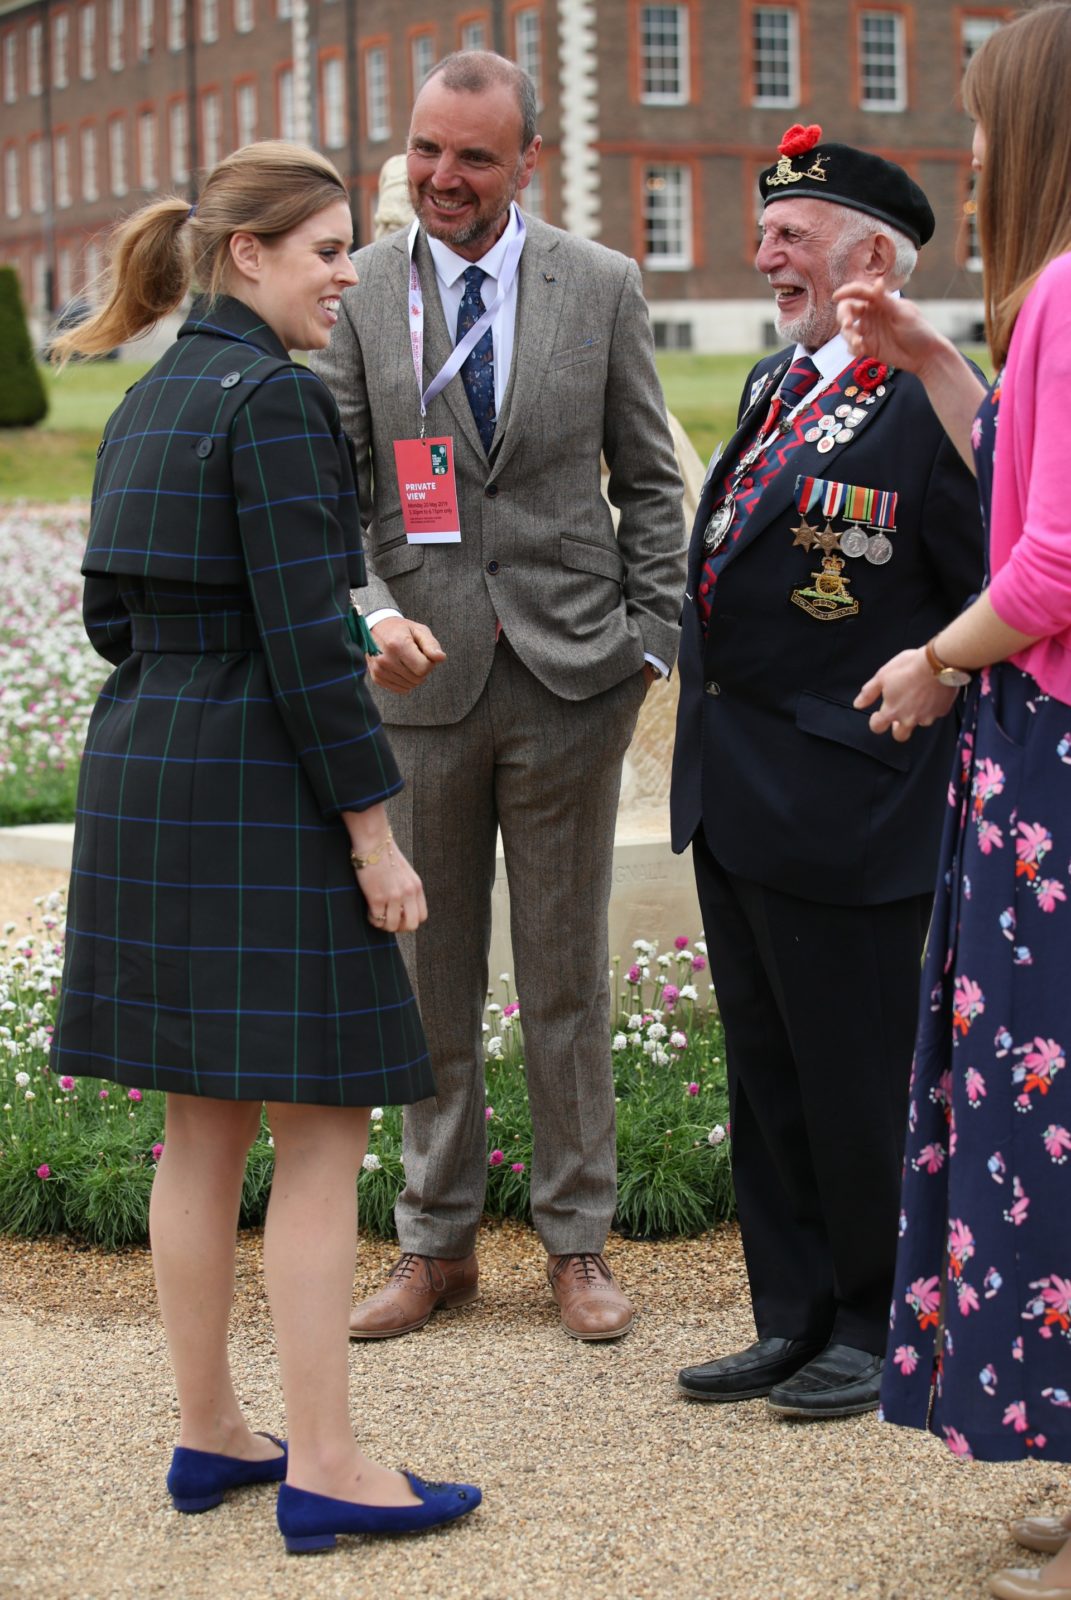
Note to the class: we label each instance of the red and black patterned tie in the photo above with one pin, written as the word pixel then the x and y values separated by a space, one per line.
pixel 800 378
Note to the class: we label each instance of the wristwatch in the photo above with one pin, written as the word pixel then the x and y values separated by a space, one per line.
pixel 951 677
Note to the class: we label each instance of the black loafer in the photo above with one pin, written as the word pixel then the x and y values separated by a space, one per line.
pixel 840 1382
pixel 749 1373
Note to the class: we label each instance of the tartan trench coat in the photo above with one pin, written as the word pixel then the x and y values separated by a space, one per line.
pixel 217 943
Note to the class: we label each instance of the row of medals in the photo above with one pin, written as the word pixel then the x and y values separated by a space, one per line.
pixel 827 431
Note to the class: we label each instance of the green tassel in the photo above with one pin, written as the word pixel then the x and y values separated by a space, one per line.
pixel 361 633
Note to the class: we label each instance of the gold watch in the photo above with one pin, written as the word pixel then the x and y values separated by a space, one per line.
pixel 951 677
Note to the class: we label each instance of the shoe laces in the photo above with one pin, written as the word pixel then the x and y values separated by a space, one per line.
pixel 583 1265
pixel 409 1263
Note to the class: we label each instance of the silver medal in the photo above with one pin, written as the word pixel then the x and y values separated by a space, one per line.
pixel 813 435
pixel 878 549
pixel 721 520
pixel 828 424
pixel 845 436
pixel 843 411
pixel 855 416
pixel 854 540
pixel 826 443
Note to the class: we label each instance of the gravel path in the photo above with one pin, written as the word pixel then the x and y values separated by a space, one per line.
pixel 600 1482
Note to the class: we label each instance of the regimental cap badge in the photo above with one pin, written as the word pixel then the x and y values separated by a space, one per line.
pixel 798 141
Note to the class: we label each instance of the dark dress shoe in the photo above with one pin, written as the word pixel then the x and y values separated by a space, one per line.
pixel 840 1382
pixel 749 1373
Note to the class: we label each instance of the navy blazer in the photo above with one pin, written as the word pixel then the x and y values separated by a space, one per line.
pixel 791 787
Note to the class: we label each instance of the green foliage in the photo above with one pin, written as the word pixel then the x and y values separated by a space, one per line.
pixel 23 400
pixel 78 1155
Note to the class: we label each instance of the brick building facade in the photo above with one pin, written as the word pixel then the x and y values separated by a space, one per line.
pixel 655 120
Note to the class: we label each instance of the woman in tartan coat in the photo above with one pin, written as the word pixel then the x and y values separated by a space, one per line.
pixel 232 788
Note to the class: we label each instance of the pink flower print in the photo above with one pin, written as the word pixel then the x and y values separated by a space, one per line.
pixel 1002 1041
pixel 906 1357
pixel 1057 1142
pixel 1042 1063
pixel 924 1297
pixel 968 1002
pixel 1049 891
pixel 1017 1348
pixel 992 1283
pixel 1032 846
pixel 1057 1397
pixel 941 1093
pixel 1016 1212
pixel 976 434
pixel 1056 1297
pixel 975 1086
pixel 988 1379
pixel 1015 1416
pixel 960 1245
pixel 967 1296
pixel 957 1444
pixel 988 782
pixel 990 837
pixel 931 1158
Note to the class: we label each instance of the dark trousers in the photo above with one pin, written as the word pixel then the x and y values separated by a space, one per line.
pixel 819 1004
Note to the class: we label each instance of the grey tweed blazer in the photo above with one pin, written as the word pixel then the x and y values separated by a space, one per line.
pixel 579 603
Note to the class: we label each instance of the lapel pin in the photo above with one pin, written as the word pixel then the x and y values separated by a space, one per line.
pixel 548 277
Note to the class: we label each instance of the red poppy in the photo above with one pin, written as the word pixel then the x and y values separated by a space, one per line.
pixel 799 139
pixel 868 374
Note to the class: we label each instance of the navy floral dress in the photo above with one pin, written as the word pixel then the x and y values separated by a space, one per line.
pixel 980 1342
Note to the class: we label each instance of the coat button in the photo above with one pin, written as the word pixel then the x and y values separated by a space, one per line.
pixel 492 566
pixel 230 380
pixel 203 447
pixel 100 449
pixel 710 687
pixel 491 490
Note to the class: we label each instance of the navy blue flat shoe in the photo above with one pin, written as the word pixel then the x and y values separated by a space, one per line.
pixel 314 1521
pixel 198 1479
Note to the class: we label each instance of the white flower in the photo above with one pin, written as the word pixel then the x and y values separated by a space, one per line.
pixel 371 1163
pixel 684 956
pixel 486 1026
pixel 656 1016
pixel 9 927
pixel 377 1113
pixel 620 1041
pixel 7 1106
pixel 688 992
pixel 678 1040
pixel 700 945
pixel 660 1057
pixel 22 1079
pixel 649 1047
pixel 30 1095
pixel 635 1022
pixel 494 1009
pixel 495 1046
pixel 657 1030
pixel 503 977
pixel 644 946
pixel 664 961
pixel 271 1142
pixel 716 1134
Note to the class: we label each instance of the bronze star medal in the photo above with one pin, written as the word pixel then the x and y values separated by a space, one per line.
pixel 827 541
pixel 805 535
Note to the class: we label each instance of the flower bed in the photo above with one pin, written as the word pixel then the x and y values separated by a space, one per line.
pixel 77 1155
pixel 49 673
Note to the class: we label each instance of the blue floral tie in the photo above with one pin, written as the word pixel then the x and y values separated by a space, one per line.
pixel 478 372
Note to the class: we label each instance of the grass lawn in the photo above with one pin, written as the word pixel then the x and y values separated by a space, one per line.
pixel 55 461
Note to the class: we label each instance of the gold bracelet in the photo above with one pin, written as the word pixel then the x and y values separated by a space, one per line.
pixel 376 856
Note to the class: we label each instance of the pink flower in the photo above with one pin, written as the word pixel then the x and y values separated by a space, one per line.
pixel 157 1151
pixel 957 1443
pixel 1057 1142
pixel 133 1094
pixel 102 1094
pixel 698 964
pixel 518 1166
pixel 967 1296
pixel 906 1358
pixel 66 1083
pixel 960 1243
pixel 496 1158
pixel 1015 1416
pixel 990 837
pixel 670 995
pixel 44 1171
pixel 931 1158
pixel 968 1002
pixel 633 974
pixel 988 779
pixel 975 1086
pixel 924 1296
pixel 511 1010
pixel 680 942
pixel 693 1088
pixel 1049 890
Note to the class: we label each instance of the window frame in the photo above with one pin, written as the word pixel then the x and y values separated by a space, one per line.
pixel 901 100
pixel 669 261
pixel 795 62
pixel 682 96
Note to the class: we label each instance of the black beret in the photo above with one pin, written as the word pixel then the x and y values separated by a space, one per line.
pixel 808 170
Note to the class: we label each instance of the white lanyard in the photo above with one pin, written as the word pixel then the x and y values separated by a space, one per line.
pixel 457 357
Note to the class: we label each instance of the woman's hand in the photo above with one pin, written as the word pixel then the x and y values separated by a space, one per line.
pixel 910 695
pixel 886 327
pixel 393 892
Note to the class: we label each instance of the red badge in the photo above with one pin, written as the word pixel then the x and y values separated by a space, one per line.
pixel 868 374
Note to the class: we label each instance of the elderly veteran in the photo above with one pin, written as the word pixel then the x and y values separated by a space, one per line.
pixel 838 526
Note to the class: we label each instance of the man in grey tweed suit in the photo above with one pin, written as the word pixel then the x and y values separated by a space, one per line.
pixel 514 662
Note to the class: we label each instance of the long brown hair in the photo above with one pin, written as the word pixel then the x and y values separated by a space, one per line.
pixel 1016 89
pixel 159 252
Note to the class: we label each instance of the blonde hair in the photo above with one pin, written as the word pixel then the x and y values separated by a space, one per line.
pixel 160 252
pixel 1016 89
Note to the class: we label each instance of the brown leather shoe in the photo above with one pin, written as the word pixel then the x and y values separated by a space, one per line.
pixel 415 1287
pixel 1044 1534
pixel 592 1303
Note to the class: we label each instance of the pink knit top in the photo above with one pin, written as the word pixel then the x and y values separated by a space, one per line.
pixel 1030 517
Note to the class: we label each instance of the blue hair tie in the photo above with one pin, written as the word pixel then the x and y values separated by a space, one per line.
pixel 191 213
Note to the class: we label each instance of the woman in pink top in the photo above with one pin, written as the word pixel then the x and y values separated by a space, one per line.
pixel 980 1342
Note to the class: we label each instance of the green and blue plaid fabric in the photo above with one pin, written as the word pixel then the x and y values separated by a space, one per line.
pixel 217 942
